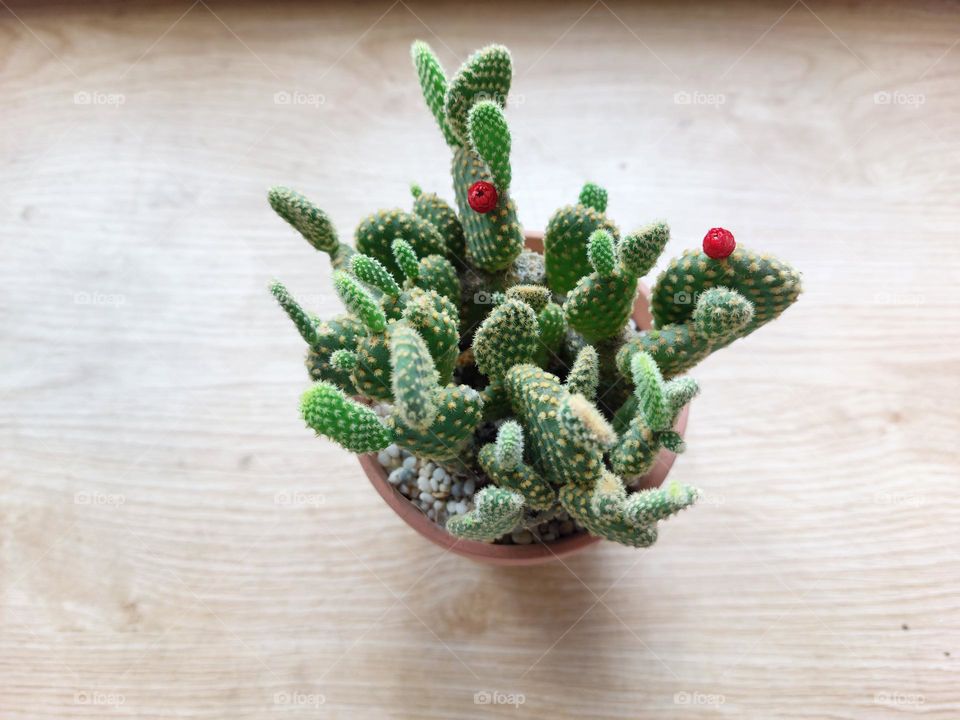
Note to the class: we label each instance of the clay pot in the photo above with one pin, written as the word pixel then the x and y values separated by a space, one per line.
pixel 535 553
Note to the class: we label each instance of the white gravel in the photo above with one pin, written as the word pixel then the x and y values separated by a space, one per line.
pixel 441 493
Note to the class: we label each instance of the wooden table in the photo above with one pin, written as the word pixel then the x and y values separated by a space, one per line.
pixel 173 543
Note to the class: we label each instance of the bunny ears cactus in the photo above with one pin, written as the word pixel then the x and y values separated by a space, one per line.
pixel 462 335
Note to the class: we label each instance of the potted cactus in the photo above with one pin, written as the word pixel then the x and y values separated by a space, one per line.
pixel 510 397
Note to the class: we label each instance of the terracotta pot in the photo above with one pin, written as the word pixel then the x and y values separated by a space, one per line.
pixel 535 553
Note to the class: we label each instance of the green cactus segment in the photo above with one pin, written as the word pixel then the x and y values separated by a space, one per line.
pixel 638 252
pixel 344 360
pixel 370 271
pixel 493 240
pixel 599 307
pixel 658 406
pixel 406 258
pixel 594 196
pixel 486 75
pixel 565 244
pixel 720 316
pixel 359 302
pixel 649 390
pixel 433 83
pixel 305 217
pixel 600 510
pixel 679 392
pixel 769 284
pixel 608 511
pixel 673 441
pixel 637 450
pixel 375 235
pixel 459 411
pixel 536 296
pixel 585 373
pixel 553 328
pixel 497 512
pixel 536 491
pixel 562 456
pixel 436 320
pixel 650 506
pixel 506 338
pixel 509 446
pixel 373 374
pixel 305 324
pixel 353 426
pixel 436 272
pixel 581 420
pixel 721 313
pixel 414 376
pixel 437 212
pixel 601 253
pixel 433 272
pixel 490 137
pixel 340 333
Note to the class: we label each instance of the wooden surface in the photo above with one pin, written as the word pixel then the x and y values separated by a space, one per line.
pixel 173 543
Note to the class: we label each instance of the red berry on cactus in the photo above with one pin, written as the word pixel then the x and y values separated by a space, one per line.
pixel 718 243
pixel 482 197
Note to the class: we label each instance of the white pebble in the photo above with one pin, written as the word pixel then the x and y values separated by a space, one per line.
pixel 461 508
pixel 423 484
pixel 457 489
pixel 439 474
pixel 383 457
pixel 393 451
pixel 451 506
pixel 426 497
pixel 410 463
pixel 438 505
pixel 434 485
pixel 522 537
pixel 468 487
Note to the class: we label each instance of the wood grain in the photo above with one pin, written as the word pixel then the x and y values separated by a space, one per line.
pixel 150 564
